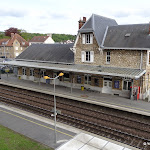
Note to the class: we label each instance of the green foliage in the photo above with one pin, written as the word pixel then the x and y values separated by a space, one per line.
pixel 28 36
pixel 9 140
pixel 2 36
pixel 63 37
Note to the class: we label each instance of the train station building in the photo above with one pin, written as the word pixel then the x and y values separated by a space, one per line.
pixel 105 57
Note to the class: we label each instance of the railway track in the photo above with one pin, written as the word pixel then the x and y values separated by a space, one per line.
pixel 125 127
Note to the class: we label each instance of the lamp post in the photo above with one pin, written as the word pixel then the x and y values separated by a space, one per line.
pixel 55 111
pixel 4 49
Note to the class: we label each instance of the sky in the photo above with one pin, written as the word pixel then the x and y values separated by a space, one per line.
pixel 62 16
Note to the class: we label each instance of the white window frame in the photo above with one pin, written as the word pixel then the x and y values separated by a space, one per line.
pixel 16 48
pixel 87 56
pixel 24 71
pixel 87 79
pixel 90 56
pixel 32 72
pixel 108 57
pixel 127 86
pixel 87 38
pixel 43 73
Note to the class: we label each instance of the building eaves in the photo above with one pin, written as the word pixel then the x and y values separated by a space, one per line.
pixel 125 48
pixel 99 70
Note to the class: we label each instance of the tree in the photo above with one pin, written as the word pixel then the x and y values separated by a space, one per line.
pixel 11 30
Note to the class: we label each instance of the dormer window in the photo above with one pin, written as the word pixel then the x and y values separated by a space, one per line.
pixel 87 38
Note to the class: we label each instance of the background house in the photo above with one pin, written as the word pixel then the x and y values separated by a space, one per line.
pixel 42 40
pixel 10 48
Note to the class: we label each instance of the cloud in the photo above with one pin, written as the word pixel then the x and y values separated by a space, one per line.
pixel 57 16
pixel 12 13
pixel 120 14
pixel 143 13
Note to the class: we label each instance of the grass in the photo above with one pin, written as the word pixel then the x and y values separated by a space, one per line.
pixel 10 140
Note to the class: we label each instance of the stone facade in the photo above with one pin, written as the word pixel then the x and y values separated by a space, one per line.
pixel 11 51
pixel 118 58
pixel 87 47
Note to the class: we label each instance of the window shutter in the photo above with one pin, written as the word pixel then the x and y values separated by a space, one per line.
pixel 92 56
pixel 149 57
pixel 82 56
pixel 83 38
pixel 91 38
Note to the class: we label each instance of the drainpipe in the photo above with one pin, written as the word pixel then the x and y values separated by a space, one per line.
pixel 132 98
pixel 141 62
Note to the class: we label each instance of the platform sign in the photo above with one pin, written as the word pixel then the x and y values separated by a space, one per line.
pixel 116 84
pixel 57 111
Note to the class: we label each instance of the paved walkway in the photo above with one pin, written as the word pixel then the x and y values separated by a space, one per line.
pixel 35 127
pixel 84 141
pixel 113 101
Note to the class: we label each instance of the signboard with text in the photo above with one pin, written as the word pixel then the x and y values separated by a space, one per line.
pixel 116 84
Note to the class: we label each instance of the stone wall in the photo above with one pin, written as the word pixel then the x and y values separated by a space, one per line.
pixel 20 71
pixel 87 47
pixel 118 58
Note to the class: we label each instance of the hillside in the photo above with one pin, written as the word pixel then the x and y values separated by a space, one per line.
pixel 56 37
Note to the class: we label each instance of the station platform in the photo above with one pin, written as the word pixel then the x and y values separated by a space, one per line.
pixel 41 129
pixel 85 141
pixel 112 101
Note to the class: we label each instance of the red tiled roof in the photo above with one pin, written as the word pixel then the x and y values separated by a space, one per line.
pixel 21 40
pixel 39 38
pixel 3 41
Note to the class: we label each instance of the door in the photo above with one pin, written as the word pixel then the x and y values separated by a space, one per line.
pixel 107 86
pixel 87 79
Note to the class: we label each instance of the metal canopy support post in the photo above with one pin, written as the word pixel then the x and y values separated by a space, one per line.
pixel 71 83
pixel 39 76
pixel 132 90
pixel 55 112
pixel 0 73
pixel 148 89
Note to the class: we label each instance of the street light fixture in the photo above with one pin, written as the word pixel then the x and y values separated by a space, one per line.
pixel 55 112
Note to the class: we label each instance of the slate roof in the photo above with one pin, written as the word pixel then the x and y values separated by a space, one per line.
pixel 39 38
pixel 128 36
pixel 48 52
pixel 100 70
pixel 98 25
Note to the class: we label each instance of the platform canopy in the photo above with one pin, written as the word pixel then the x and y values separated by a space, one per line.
pixel 87 69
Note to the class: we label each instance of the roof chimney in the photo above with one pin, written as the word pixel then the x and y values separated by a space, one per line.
pixel 149 28
pixel 12 35
pixel 81 22
pixel 49 34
